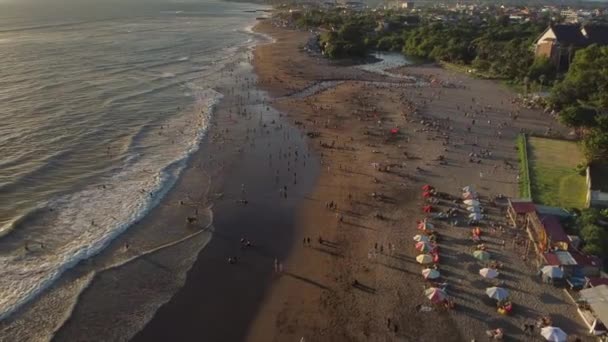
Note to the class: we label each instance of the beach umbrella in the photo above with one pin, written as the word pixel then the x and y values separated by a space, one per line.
pixel 469 195
pixel 427 187
pixel 427 208
pixel 553 272
pixel 424 225
pixel 474 209
pixel 430 273
pixel 554 334
pixel 394 130
pixel 472 202
pixel 435 295
pixel 423 247
pixel 481 255
pixel 421 238
pixel 475 216
pixel 424 259
pixel 489 273
pixel 468 188
pixel 427 194
pixel 497 293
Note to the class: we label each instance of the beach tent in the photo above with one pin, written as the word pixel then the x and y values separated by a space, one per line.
pixel 489 273
pixel 553 334
pixel 553 272
pixel 430 273
pixel 475 216
pixel 424 259
pixel 424 225
pixel 472 202
pixel 435 295
pixel 421 238
pixel 424 247
pixel 497 293
pixel 481 255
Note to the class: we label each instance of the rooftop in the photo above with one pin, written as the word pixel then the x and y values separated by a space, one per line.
pixel 522 206
pixel 554 228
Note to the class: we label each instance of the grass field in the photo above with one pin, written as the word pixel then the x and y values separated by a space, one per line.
pixel 553 177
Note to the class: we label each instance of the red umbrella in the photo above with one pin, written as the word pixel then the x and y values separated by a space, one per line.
pixel 426 194
pixel 394 130
pixel 427 208
pixel 427 187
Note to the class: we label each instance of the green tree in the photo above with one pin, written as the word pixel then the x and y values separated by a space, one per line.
pixel 541 67
pixel 577 116
pixel 595 145
pixel 595 239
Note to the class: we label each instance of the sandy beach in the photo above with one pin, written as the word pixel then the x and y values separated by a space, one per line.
pixel 306 196
pixel 362 282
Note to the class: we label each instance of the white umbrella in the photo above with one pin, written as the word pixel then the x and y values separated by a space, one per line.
pixel 553 334
pixel 475 216
pixel 553 272
pixel 430 273
pixel 489 273
pixel 497 293
pixel 474 209
pixel 472 202
pixel 468 188
pixel 421 238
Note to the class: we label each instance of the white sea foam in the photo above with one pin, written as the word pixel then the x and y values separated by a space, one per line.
pixel 89 220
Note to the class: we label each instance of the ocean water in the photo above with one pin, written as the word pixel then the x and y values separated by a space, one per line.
pixel 101 105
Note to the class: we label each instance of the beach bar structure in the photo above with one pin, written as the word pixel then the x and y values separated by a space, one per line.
pixel 518 209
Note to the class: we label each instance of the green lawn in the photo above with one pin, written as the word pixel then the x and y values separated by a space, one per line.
pixel 554 179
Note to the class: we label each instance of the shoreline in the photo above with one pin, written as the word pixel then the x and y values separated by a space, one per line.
pixel 340 130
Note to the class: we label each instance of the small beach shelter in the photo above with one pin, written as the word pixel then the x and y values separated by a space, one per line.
pixel 481 255
pixel 421 238
pixel 489 273
pixel 472 202
pixel 497 293
pixel 424 225
pixel 435 295
pixel 430 273
pixel 553 272
pixel 554 334
pixel 424 247
pixel 424 259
